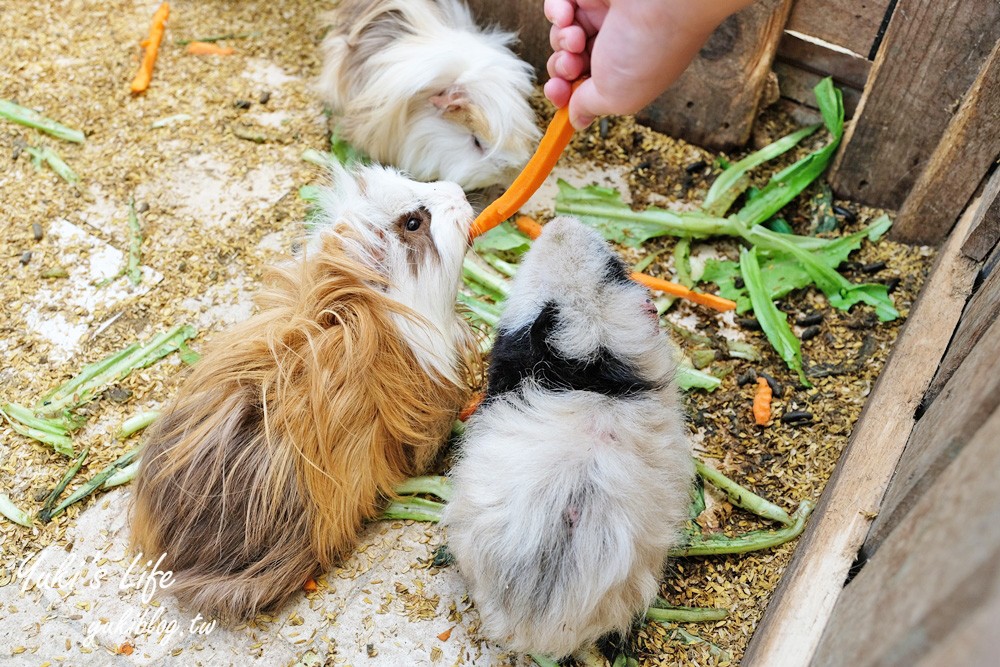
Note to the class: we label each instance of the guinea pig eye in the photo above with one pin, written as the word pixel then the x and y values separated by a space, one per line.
pixel 413 223
pixel 477 143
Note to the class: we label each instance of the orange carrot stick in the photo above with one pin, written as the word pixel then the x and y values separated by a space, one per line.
pixel 762 402
pixel 310 586
pixel 209 49
pixel 528 227
pixel 709 300
pixel 152 43
pixel 553 142
pixel 471 407
pixel 532 230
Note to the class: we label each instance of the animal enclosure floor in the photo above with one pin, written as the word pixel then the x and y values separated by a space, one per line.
pixel 217 193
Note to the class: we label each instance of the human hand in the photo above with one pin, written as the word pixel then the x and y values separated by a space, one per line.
pixel 632 50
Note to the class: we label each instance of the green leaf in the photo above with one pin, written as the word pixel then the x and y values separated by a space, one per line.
pixel 503 237
pixel 772 321
pixel 682 262
pixel 779 226
pixel 734 180
pixel 345 153
pixel 31 118
pixel 788 183
pixel 688 377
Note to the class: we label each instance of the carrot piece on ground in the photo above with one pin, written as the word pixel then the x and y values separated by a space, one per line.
pixel 152 44
pixel 528 227
pixel 310 586
pixel 209 49
pixel 762 402
pixel 553 142
pixel 126 649
pixel 445 635
pixel 471 407
pixel 710 300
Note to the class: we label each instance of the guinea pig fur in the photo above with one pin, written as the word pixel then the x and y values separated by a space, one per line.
pixel 575 474
pixel 416 84
pixel 296 425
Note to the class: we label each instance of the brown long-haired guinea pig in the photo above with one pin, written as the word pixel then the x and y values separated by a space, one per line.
pixel 296 424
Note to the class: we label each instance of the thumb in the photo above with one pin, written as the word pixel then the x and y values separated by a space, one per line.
pixel 586 104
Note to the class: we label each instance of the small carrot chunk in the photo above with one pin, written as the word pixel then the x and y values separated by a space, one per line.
pixel 310 586
pixel 528 227
pixel 762 402
pixel 445 635
pixel 209 49
pixel 152 45
pixel 469 409
pixel 126 649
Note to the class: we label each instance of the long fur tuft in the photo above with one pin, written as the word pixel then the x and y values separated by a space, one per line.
pixel 290 433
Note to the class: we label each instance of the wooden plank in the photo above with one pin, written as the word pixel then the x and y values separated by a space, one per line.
pixel 796 84
pixel 970 145
pixel 979 315
pixel 938 568
pixel 853 24
pixel 931 54
pixel 847 69
pixel 714 104
pixel 974 642
pixel 527 19
pixel 792 625
pixel 969 398
pixel 985 230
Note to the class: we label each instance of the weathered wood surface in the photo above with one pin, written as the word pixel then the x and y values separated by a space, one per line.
pixel 980 313
pixel 527 19
pixel 931 54
pixel 847 69
pixel 714 104
pixel 969 398
pixel 985 232
pixel 796 84
pixel 970 145
pixel 790 630
pixel 852 24
pixel 938 569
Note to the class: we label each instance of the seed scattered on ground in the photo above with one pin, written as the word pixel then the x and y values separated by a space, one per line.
pixel 36 231
pixel 25 257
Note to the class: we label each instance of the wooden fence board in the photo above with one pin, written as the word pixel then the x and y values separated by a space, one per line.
pixel 852 24
pixel 985 230
pixel 970 145
pixel 793 623
pixel 714 103
pixel 847 69
pixel 796 84
pixel 931 54
pixel 969 398
pixel 938 568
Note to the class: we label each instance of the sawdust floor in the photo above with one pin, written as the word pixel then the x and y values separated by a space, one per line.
pixel 217 195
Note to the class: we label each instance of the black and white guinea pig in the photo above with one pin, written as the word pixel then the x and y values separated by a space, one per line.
pixel 574 477
pixel 416 84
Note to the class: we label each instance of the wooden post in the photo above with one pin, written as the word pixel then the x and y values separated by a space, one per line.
pixel 969 146
pixel 714 104
pixel 793 623
pixel 929 58
pixel 985 232
pixel 851 24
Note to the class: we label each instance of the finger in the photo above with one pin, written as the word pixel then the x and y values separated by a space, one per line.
pixel 572 38
pixel 585 105
pixel 558 91
pixel 559 12
pixel 571 66
pixel 550 65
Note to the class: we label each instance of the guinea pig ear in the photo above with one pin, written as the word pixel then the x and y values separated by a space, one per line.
pixel 451 100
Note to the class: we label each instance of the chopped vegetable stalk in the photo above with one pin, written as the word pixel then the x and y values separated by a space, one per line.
pixel 484 312
pixel 646 261
pixel 433 485
pixel 663 612
pixel 542 661
pixel 31 118
pixel 741 496
pixel 13 512
pixel 415 509
pixel 772 321
pixel 170 120
pixel 756 540
pixel 92 378
pixel 46 512
pixel 313 156
pixel 56 163
pixel 506 268
pixel 123 476
pixel 134 245
pixel 54 432
pixel 734 180
pixel 497 287
pixel 216 38
pixel 688 377
pixel 137 423
pixel 682 262
pixel 96 481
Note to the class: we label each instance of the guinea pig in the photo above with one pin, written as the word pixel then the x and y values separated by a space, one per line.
pixel 296 424
pixel 416 84
pixel 574 477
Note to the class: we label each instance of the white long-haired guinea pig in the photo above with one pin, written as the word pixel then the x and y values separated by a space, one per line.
pixel 575 474
pixel 416 84
pixel 298 423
